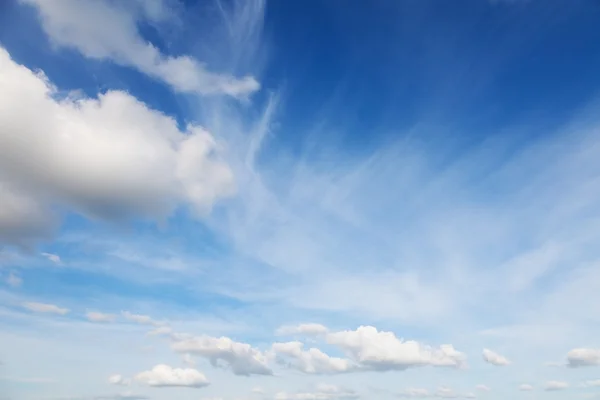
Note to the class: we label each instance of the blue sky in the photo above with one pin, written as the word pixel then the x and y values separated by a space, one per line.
pixel 314 200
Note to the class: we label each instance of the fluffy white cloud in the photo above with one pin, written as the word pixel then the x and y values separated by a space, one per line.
pixel 583 357
pixel 556 385
pixel 100 317
pixel 380 350
pixel 525 387
pixel 493 358
pixel 242 358
pixel 311 361
pixel 141 319
pixel 311 329
pixel 322 392
pixel 108 30
pixel 110 157
pixel 166 376
pixel 119 380
pixel 45 308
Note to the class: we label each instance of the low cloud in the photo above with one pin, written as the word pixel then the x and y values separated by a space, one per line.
pixel 494 358
pixel 166 376
pixel 45 308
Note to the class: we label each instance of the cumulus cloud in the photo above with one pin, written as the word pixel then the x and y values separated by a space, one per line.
pixel 322 392
pixel 166 376
pixel 525 387
pixel 100 317
pixel 310 329
pixel 119 380
pixel 311 361
pixel 493 358
pixel 22 219
pixel 380 350
pixel 45 308
pixel 415 393
pixel 442 392
pixel 583 357
pixel 556 385
pixel 107 30
pixel 241 358
pixel 109 157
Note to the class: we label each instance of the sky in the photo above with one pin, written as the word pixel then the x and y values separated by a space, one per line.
pixel 299 200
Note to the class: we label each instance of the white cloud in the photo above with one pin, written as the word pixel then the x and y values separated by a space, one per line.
pixel 310 329
pixel 55 258
pixel 241 358
pixel 594 383
pixel 583 357
pixel 415 393
pixel 322 392
pixel 442 392
pixel 556 385
pixel 161 331
pixel 166 376
pixel 493 358
pixel 311 361
pixel 141 319
pixel 45 308
pixel 108 30
pixel 119 380
pixel 14 280
pixel 483 388
pixel 100 317
pixel 110 157
pixel 380 350
pixel 525 387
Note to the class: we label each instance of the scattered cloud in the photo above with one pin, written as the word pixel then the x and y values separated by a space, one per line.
pixel 106 30
pixel 166 376
pixel 14 280
pixel 141 319
pixel 493 358
pixel 483 388
pixel 119 380
pixel 311 329
pixel 55 258
pixel 100 317
pixel 583 357
pixel 525 387
pixel 322 392
pixel 45 308
pixel 241 358
pixel 556 385
pixel 594 383
pixel 415 393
